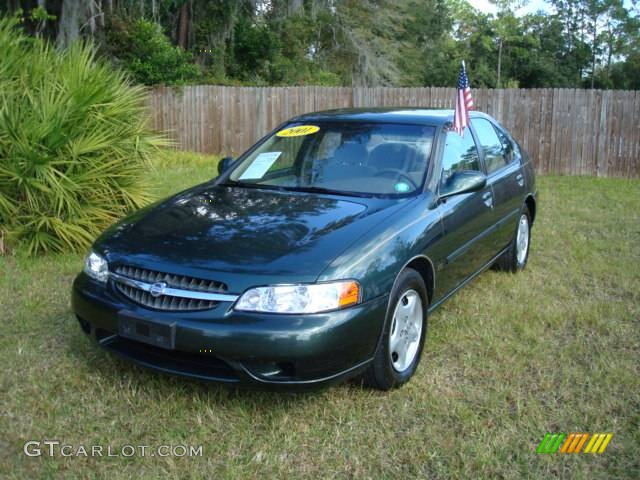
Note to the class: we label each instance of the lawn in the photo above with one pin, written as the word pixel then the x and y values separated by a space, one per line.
pixel 508 359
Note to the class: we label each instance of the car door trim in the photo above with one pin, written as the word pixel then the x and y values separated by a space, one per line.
pixel 451 292
pixel 463 249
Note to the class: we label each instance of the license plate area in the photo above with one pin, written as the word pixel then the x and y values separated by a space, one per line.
pixel 152 332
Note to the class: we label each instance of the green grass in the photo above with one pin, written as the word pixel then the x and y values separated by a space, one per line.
pixel 508 359
pixel 176 171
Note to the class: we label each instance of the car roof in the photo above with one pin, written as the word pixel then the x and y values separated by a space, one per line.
pixel 413 115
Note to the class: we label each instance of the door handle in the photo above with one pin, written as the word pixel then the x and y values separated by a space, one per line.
pixel 520 179
pixel 488 199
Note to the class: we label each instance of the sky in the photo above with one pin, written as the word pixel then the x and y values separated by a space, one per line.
pixel 532 6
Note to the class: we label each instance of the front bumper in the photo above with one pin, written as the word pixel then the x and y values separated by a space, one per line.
pixel 227 346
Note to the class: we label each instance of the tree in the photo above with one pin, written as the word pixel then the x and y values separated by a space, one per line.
pixel 142 50
pixel 76 16
pixel 581 43
pixel 507 28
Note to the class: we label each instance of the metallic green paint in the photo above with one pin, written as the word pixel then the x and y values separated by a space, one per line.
pixel 247 237
pixel 463 182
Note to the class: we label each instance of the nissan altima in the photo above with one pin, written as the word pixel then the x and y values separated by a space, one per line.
pixel 317 255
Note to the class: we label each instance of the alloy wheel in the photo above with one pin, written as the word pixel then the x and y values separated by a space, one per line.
pixel 406 330
pixel 522 240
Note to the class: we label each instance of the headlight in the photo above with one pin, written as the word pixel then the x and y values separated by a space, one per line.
pixel 312 298
pixel 96 267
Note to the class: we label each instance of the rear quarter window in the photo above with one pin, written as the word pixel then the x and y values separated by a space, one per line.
pixel 495 156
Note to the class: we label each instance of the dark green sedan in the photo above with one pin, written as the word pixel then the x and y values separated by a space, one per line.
pixel 317 255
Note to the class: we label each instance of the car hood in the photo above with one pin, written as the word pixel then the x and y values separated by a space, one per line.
pixel 278 235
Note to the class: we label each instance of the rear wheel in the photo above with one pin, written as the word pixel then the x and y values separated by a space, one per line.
pixel 515 257
pixel 405 329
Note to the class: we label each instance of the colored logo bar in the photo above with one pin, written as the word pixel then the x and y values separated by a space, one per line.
pixel 574 442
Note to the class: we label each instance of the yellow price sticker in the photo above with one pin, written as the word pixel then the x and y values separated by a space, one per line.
pixel 298 131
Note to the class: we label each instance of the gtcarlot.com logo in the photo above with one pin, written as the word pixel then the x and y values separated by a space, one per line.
pixel 52 448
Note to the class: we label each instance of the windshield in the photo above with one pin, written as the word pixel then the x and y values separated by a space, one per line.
pixel 349 158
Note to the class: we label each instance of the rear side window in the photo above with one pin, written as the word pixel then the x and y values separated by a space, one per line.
pixel 492 146
pixel 460 153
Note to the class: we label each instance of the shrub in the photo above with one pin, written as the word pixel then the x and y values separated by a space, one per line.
pixel 147 55
pixel 74 145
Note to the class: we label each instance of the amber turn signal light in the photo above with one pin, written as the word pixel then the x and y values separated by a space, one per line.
pixel 349 294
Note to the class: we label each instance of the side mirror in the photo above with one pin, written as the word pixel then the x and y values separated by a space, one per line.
pixel 463 182
pixel 224 164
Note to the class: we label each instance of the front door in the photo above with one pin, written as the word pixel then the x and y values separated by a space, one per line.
pixel 466 218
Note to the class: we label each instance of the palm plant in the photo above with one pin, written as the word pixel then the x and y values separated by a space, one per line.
pixel 74 144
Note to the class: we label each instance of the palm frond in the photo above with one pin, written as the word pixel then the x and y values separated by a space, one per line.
pixel 74 144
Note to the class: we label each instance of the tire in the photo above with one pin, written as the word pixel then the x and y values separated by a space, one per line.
pixel 513 259
pixel 407 330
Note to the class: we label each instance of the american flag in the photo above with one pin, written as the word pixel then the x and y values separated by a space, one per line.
pixel 464 102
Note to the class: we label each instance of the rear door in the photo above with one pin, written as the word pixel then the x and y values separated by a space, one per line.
pixel 504 175
pixel 466 218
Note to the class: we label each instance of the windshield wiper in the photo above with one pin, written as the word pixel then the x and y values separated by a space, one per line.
pixel 266 186
pixel 328 191
pixel 309 189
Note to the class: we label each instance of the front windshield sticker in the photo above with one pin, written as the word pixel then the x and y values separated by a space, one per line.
pixel 402 187
pixel 260 165
pixel 298 131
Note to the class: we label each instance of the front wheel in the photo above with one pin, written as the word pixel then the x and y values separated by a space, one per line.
pixel 515 257
pixel 405 329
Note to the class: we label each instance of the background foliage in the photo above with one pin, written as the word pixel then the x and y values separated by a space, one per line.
pixel 147 54
pixel 73 144
pixel 571 43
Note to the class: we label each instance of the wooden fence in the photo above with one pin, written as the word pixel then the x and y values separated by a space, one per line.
pixel 566 131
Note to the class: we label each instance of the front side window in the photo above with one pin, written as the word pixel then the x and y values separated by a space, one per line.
pixel 347 157
pixel 494 155
pixel 460 154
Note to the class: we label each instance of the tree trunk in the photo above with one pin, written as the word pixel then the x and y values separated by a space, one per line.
pixel 12 5
pixel 582 35
pixel 610 40
pixel 295 7
pixel 76 16
pixel 499 63
pixel 593 52
pixel 42 24
pixel 69 26
pixel 183 26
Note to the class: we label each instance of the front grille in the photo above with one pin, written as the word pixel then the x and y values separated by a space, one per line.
pixel 167 302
